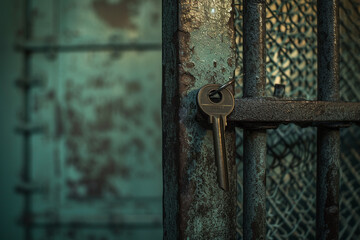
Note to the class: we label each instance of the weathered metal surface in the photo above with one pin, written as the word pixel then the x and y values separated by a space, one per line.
pixel 97 161
pixel 98 127
pixel 198 48
pixel 328 145
pixel 96 21
pixel 272 112
pixel 254 223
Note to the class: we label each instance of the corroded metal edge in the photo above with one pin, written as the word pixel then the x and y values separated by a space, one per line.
pixel 198 48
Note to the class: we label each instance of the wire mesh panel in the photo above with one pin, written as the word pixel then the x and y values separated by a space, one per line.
pixel 350 91
pixel 291 43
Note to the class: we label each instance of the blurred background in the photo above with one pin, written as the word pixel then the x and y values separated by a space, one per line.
pixel 80 119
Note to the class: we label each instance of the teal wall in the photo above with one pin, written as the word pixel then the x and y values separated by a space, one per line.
pixel 95 164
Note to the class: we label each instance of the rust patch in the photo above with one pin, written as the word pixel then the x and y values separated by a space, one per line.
pixel 104 120
pixel 50 95
pixel 133 87
pixel 157 118
pixel 71 145
pixel 124 172
pixel 187 82
pixel 75 123
pixel 124 128
pixel 185 198
pixel 116 15
pixel 96 183
pixel 231 24
pixel 190 64
pixel 99 146
pixel 118 106
pixel 184 40
pixel 138 143
pixel 230 62
pixel 98 82
pixel 155 17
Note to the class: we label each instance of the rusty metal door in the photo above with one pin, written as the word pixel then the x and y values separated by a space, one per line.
pixel 296 63
pixel 90 122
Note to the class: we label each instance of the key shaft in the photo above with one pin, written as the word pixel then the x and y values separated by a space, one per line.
pixel 220 152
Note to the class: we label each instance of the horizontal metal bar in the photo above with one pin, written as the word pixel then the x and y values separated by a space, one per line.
pixel 48 47
pixel 28 83
pixel 28 129
pixel 268 111
pixel 29 188
pixel 155 223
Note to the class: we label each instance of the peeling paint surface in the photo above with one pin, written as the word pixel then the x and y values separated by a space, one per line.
pixel 208 40
pixel 205 54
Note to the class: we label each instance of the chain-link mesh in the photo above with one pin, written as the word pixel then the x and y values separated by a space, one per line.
pixel 291 43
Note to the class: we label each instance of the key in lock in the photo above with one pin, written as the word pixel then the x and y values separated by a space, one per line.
pixel 217 107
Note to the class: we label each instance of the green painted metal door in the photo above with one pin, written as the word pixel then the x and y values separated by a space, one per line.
pixel 94 166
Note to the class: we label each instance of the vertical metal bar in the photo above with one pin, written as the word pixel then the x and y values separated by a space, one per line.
pixel 170 139
pixel 328 139
pixel 254 140
pixel 254 48
pixel 198 48
pixel 327 185
pixel 26 165
pixel 328 50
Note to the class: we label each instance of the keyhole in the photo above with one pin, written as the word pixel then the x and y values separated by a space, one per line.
pixel 216 98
